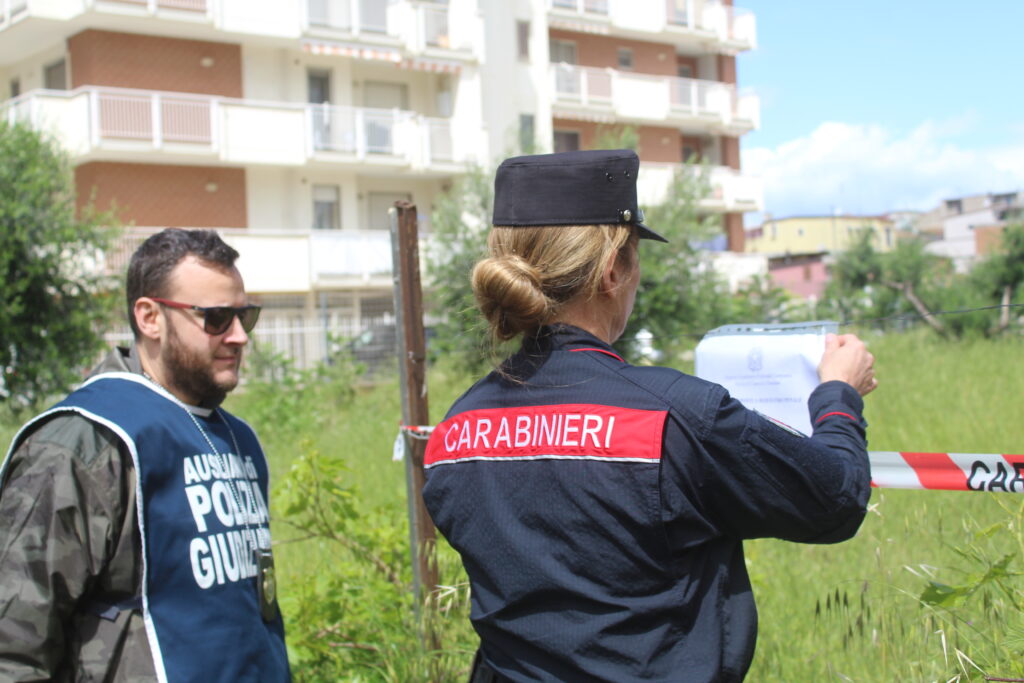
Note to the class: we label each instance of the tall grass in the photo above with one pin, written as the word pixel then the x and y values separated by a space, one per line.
pixel 853 611
pixel 925 592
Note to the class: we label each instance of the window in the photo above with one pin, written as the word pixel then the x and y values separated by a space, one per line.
pixel 326 207
pixel 319 86
pixel 954 206
pixel 523 40
pixel 55 76
pixel 690 152
pixel 563 51
pixel 526 145
pixel 625 59
pixel 684 71
pixel 15 87
pixel 567 141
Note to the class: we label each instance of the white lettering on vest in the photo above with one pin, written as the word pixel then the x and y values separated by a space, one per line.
pixel 227 553
pixel 217 562
pixel 202 568
pixel 191 476
pixel 199 501
pixel 222 503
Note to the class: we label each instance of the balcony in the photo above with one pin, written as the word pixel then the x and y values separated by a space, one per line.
pixel 406 28
pixel 294 261
pixel 134 125
pixel 421 27
pixel 710 23
pixel 606 94
pixel 12 10
pixel 730 191
pixel 599 7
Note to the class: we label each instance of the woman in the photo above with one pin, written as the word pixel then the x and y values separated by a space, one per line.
pixel 600 508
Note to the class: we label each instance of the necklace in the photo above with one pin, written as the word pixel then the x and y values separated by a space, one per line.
pixel 266 585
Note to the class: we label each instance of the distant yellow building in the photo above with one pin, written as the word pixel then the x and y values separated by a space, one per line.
pixel 815 234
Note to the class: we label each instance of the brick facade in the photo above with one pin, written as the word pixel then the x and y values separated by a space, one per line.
pixel 603 52
pixel 166 196
pixel 127 60
pixel 657 143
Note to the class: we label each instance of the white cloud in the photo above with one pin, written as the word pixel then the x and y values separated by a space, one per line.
pixel 867 169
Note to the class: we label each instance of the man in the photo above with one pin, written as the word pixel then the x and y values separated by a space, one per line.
pixel 135 543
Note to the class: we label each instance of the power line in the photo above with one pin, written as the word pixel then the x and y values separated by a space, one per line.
pixel 847 323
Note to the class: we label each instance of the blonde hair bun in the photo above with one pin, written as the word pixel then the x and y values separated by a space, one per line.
pixel 509 293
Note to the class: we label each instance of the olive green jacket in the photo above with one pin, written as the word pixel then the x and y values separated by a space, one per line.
pixel 69 549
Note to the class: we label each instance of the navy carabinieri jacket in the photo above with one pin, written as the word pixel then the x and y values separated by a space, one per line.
pixel 600 510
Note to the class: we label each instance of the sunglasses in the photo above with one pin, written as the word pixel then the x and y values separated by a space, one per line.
pixel 217 319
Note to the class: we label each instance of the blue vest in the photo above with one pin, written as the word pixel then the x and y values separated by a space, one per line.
pixel 201 516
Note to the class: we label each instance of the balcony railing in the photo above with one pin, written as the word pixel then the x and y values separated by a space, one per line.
pixel 350 253
pixel 153 5
pixel 156 117
pixel 89 120
pixel 727 23
pixel 581 6
pixel 11 10
pixel 354 16
pixel 354 130
pixel 659 97
pixel 679 12
pixel 435 27
pixel 728 189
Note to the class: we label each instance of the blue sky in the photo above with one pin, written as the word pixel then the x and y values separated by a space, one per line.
pixel 874 106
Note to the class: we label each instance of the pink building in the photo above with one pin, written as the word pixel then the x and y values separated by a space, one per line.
pixel 804 275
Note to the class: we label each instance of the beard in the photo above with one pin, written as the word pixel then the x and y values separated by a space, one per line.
pixel 192 374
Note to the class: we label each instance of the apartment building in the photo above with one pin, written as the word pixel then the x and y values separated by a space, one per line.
pixel 292 125
pixel 968 228
pixel 820 234
pixel 559 74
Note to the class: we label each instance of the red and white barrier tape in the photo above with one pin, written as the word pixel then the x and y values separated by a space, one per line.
pixel 947 471
pixel 897 469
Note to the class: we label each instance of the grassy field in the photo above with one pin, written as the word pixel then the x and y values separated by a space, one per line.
pixel 849 612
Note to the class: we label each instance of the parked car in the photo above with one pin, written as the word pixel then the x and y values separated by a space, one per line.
pixel 376 347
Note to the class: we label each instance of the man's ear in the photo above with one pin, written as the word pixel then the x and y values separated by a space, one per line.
pixel 148 318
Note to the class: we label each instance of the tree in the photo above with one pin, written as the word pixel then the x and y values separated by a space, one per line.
pixel 460 221
pixel 1002 273
pixel 868 284
pixel 54 299
pixel 679 297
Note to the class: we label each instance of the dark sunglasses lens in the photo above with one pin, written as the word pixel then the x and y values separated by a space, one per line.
pixel 248 317
pixel 217 320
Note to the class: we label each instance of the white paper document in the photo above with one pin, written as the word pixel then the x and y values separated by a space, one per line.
pixel 770 368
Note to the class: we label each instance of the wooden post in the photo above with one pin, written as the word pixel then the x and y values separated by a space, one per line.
pixel 412 371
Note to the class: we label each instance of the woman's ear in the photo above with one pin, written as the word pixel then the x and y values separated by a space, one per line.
pixel 611 276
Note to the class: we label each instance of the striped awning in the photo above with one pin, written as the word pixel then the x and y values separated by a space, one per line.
pixel 583 115
pixel 579 26
pixel 441 66
pixel 380 54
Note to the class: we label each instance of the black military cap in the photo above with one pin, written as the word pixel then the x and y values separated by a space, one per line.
pixel 594 187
